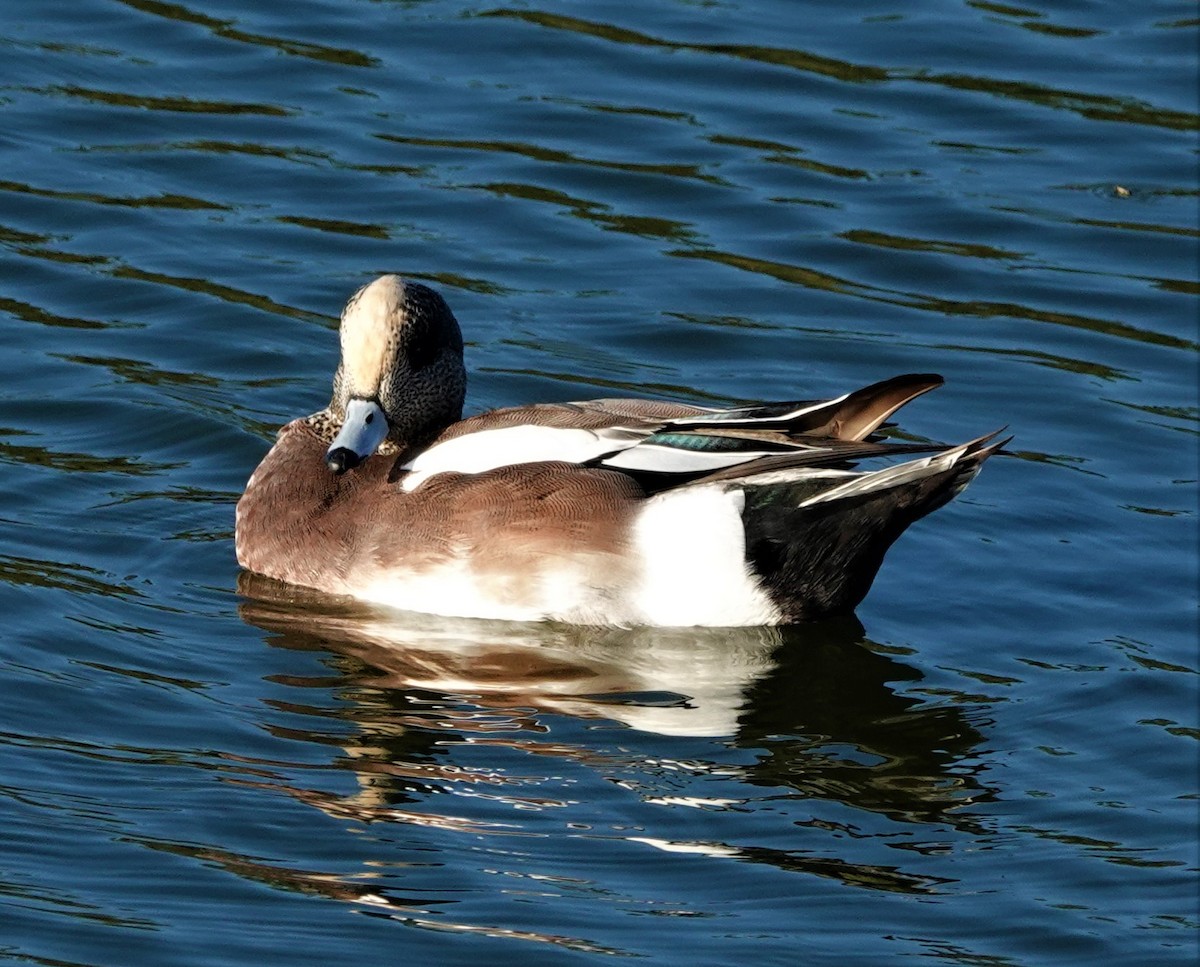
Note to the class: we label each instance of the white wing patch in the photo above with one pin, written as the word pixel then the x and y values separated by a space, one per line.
pixel 508 446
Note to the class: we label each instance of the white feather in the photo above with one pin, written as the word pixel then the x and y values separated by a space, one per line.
pixel 661 459
pixel 902 473
pixel 505 447
pixel 734 416
pixel 691 545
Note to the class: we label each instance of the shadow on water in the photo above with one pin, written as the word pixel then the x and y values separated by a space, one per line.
pixel 816 707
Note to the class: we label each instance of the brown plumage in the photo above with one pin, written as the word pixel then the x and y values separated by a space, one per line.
pixel 604 511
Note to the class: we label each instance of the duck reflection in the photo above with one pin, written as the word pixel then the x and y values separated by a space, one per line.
pixel 829 724
pixel 686 682
pixel 814 705
pixel 485 729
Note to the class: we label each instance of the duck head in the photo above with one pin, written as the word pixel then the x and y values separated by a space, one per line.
pixel 401 379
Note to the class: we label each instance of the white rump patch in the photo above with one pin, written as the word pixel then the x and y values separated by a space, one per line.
pixel 691 546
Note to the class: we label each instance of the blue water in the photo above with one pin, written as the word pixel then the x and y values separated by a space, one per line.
pixel 994 763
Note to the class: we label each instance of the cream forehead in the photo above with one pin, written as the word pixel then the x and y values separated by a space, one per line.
pixel 368 327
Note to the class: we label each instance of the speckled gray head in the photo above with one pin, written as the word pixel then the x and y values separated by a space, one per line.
pixel 401 379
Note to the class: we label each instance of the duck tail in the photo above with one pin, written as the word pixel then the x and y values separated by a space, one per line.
pixel 815 540
pixel 851 417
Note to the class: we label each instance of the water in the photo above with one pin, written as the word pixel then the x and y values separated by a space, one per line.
pixel 994 763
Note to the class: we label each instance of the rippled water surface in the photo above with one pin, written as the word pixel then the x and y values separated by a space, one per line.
pixel 995 763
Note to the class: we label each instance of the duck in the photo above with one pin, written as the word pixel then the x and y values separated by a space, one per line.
pixel 612 512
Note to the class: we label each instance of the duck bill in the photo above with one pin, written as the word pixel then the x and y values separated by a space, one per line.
pixel 363 430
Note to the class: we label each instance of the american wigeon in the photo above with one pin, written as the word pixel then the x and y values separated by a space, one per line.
pixel 625 512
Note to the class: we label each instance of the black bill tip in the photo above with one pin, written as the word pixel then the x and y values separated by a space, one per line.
pixel 341 459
